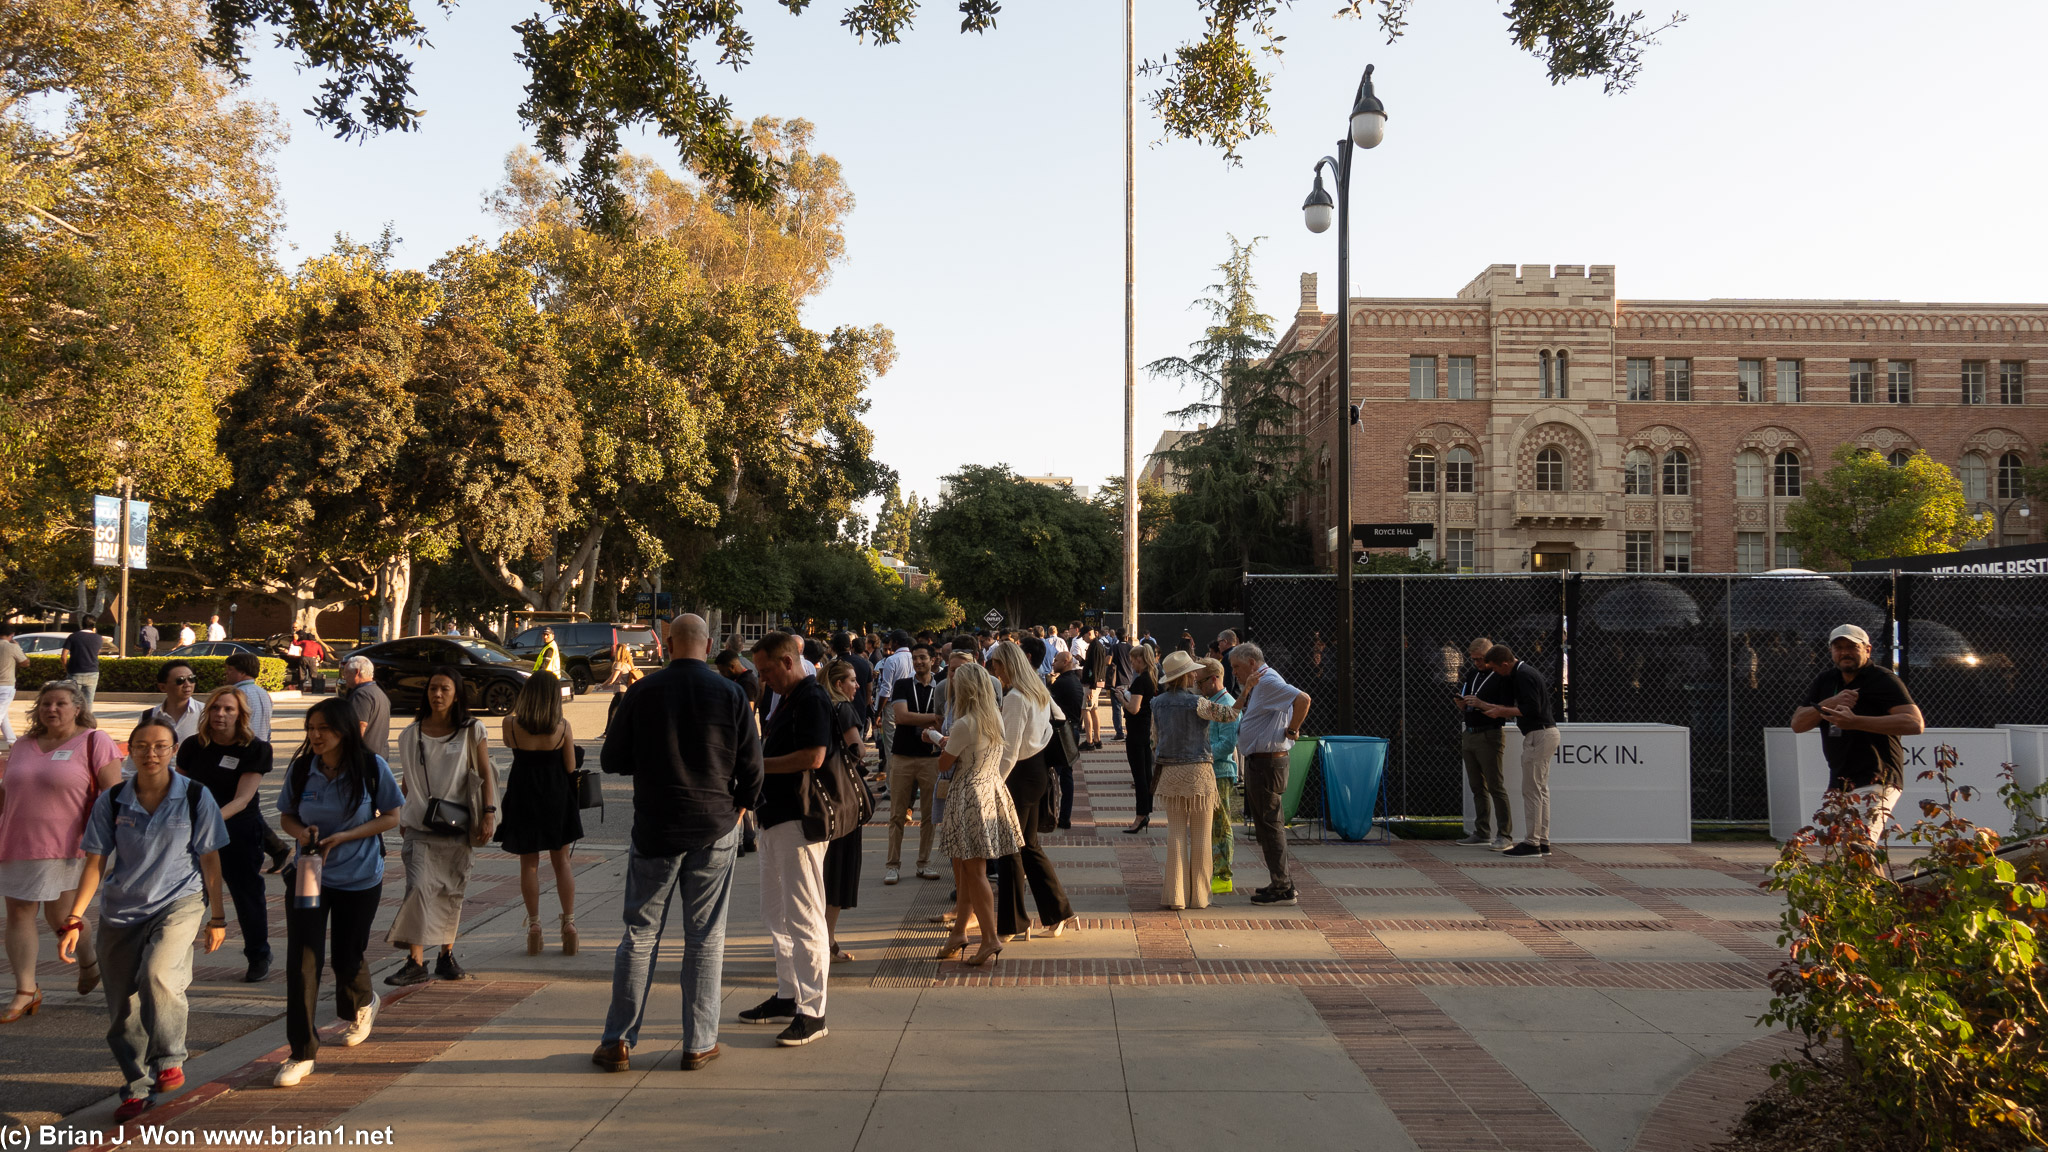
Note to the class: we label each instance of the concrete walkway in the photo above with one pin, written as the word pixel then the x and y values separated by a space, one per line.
pixel 1422 996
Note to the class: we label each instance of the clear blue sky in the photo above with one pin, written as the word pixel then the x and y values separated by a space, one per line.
pixel 1824 149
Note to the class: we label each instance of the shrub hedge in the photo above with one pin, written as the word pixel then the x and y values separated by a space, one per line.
pixel 1931 987
pixel 138 673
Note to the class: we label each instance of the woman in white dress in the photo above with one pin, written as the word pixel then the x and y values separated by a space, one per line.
pixel 980 823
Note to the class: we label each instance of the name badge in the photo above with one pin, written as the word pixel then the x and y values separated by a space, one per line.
pixel 230 761
pixel 61 754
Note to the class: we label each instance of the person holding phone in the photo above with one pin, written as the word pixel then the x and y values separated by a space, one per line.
pixel 1483 748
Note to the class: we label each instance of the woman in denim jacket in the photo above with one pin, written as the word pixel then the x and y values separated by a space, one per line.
pixel 1185 781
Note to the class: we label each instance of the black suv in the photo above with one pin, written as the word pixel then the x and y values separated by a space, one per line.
pixel 586 648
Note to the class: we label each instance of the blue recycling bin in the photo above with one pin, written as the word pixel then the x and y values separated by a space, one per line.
pixel 1353 767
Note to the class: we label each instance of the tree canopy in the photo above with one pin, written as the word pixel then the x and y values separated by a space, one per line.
pixel 1242 468
pixel 1865 508
pixel 1031 550
pixel 136 210
pixel 600 69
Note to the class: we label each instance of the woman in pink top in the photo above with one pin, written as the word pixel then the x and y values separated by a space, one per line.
pixel 47 785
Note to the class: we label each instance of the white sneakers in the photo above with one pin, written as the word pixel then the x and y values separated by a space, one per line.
pixel 360 1030
pixel 927 872
pixel 891 876
pixel 291 1072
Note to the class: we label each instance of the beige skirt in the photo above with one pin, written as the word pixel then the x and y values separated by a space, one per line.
pixel 436 877
pixel 1190 780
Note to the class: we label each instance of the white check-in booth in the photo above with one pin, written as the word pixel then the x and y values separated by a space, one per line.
pixel 2030 760
pixel 1798 776
pixel 1609 784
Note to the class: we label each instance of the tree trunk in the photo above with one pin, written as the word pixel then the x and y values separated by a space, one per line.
pixel 552 583
pixel 394 588
pixel 586 591
pixel 415 619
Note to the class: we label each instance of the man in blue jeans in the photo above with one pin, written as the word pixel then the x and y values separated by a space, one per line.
pixel 686 736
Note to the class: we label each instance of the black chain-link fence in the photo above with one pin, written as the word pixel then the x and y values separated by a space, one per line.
pixel 1723 656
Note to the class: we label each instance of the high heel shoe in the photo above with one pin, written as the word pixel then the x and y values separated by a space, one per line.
pixel 985 957
pixel 1138 825
pixel 954 946
pixel 534 941
pixel 569 938
pixel 35 1003
pixel 1073 922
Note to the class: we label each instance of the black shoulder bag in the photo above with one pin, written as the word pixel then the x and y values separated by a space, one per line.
pixel 836 799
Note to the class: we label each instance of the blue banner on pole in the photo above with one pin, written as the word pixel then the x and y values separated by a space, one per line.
pixel 106 532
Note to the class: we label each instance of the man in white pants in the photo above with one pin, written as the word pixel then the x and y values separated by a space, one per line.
pixel 1531 714
pixel 794 742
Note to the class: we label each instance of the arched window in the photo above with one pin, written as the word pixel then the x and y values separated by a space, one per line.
pixel 1422 470
pixel 1677 474
pixel 1550 470
pixel 1458 470
pixel 1898 457
pixel 1637 474
pixel 1564 375
pixel 2011 481
pixel 1544 385
pixel 1749 476
pixel 1785 478
pixel 1976 477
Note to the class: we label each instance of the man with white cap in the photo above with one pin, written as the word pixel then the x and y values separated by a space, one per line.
pixel 1861 711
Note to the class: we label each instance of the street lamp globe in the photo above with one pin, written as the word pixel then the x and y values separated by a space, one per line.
pixel 1319 209
pixel 1368 115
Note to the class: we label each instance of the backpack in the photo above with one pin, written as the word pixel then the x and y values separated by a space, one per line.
pixel 193 789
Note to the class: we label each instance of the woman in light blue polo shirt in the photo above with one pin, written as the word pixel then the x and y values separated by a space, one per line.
pixel 165 834
pixel 336 801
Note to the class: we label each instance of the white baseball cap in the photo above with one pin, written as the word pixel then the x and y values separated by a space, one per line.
pixel 1850 632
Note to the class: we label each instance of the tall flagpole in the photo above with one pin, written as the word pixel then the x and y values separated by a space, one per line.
pixel 1130 616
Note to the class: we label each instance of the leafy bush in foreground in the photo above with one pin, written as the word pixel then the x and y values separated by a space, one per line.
pixel 1931 983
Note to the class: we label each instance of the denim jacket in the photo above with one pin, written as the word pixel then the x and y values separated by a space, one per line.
pixel 1179 735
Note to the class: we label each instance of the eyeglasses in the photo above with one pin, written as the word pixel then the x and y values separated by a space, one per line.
pixel 161 746
pixel 184 679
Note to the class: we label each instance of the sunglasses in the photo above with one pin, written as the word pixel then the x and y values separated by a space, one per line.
pixel 184 679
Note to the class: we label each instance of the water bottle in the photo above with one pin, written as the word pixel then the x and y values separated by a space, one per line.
pixel 306 879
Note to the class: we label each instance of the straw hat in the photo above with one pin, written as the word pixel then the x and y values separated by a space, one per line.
pixel 1177 665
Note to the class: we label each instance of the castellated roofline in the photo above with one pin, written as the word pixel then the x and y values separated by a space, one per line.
pixel 1568 284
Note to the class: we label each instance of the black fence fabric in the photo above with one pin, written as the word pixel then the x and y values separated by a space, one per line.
pixel 1725 656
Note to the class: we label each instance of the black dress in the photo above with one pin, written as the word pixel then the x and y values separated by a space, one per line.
pixel 540 813
pixel 842 856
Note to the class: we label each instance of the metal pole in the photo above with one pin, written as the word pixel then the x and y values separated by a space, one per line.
pixel 124 625
pixel 1131 632
pixel 1346 627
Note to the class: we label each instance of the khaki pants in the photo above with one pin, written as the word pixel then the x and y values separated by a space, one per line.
pixel 911 775
pixel 1537 749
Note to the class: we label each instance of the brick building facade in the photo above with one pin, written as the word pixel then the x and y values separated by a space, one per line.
pixel 1541 422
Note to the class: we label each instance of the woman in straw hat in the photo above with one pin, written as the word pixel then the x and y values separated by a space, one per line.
pixel 1185 783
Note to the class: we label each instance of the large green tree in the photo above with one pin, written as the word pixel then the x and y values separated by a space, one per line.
pixel 136 212
pixel 1033 551
pixel 601 69
pixel 1242 468
pixel 1865 508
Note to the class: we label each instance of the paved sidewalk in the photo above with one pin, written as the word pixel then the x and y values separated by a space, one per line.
pixel 1422 995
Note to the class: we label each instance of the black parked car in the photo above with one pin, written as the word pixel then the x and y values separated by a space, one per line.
pixel 491 676
pixel 586 648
